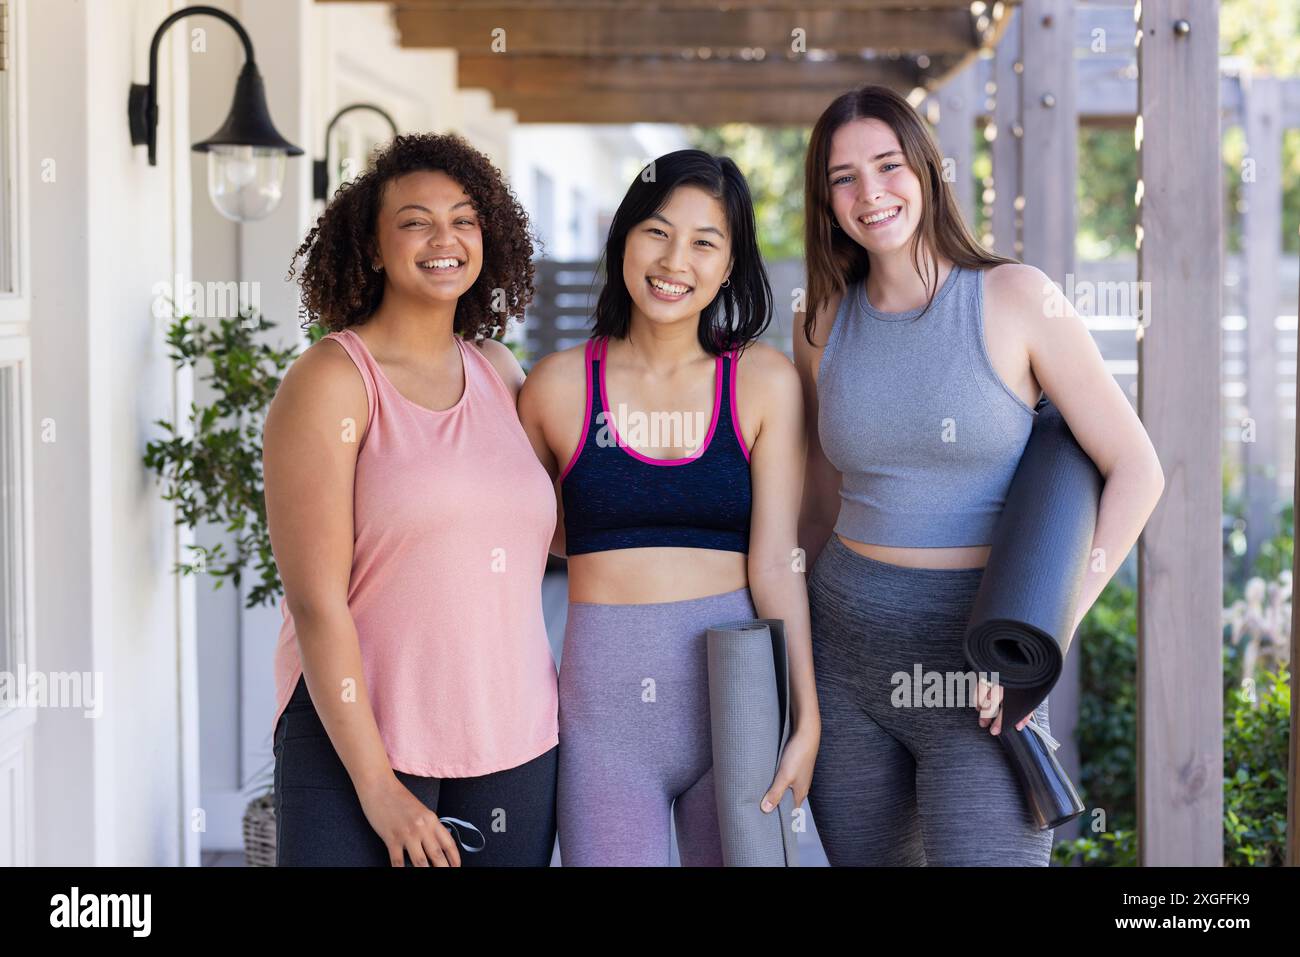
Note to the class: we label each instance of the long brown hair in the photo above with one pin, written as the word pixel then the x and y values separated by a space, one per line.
pixel 833 259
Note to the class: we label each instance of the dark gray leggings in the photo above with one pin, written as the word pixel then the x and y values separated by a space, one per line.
pixel 906 785
pixel 320 822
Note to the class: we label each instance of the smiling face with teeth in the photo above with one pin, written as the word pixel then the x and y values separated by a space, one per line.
pixel 875 195
pixel 429 237
pixel 675 261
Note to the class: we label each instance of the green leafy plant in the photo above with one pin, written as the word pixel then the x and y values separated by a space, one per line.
pixel 212 470
pixel 1107 730
pixel 1256 732
pixel 1257 728
pixel 1116 848
pixel 1275 555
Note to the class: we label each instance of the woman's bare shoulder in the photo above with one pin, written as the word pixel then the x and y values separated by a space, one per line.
pixel 322 385
pixel 557 377
pixel 807 355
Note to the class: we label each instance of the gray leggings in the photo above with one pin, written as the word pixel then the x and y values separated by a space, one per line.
pixel 901 782
pixel 635 737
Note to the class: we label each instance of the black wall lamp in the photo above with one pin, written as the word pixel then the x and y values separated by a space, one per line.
pixel 246 157
pixel 320 169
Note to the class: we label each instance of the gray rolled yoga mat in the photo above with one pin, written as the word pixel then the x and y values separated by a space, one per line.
pixel 749 708
pixel 1022 620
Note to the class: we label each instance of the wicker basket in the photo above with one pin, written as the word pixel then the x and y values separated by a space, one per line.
pixel 259 832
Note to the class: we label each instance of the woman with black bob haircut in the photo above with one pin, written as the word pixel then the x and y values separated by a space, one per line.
pixel 676 440
pixel 742 310
pixel 415 688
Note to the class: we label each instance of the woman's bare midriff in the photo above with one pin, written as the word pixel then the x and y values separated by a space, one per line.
pixel 972 556
pixel 636 576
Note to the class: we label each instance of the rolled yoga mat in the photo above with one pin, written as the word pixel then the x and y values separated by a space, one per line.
pixel 749 708
pixel 1022 621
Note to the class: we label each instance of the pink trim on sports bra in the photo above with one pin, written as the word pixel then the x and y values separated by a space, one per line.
pixel 735 419
pixel 609 416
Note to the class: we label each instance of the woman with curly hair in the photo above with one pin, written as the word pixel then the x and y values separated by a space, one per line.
pixel 410 522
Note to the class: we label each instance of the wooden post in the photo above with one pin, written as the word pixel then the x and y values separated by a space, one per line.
pixel 1261 241
pixel 1006 145
pixel 1048 148
pixel 1180 579
pixel 1293 762
pixel 959 104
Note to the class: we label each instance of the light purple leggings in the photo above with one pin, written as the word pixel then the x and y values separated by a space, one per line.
pixel 634 732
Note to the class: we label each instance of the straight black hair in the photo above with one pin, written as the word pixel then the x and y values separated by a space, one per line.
pixel 742 309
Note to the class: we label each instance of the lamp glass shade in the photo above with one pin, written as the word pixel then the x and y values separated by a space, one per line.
pixel 245 182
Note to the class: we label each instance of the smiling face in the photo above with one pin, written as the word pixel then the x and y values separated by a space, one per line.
pixel 675 261
pixel 875 195
pixel 429 238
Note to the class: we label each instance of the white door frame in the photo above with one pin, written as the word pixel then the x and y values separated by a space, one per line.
pixel 16 724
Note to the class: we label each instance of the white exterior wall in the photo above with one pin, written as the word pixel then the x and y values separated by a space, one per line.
pixel 326 56
pixel 589 168
pixel 103 233
pixel 166 771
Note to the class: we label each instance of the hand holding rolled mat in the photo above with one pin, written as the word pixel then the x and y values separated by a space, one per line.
pixel 749 709
pixel 1022 621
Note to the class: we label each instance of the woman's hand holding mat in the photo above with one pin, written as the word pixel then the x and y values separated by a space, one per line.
pixel 989 702
pixel 749 711
pixel 795 772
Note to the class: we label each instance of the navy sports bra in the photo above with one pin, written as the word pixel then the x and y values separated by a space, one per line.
pixel 615 497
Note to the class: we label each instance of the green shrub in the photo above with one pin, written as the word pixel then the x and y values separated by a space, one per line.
pixel 1107 730
pixel 1255 738
pixel 214 473
pixel 1256 733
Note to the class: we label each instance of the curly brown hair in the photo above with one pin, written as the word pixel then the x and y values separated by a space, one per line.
pixel 340 290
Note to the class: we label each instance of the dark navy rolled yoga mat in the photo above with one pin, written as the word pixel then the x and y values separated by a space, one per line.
pixel 1021 622
pixel 749 709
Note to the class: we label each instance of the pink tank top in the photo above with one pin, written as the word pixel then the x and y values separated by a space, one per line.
pixel 453 517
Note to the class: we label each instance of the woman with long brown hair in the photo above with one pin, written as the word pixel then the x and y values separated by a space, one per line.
pixel 922 357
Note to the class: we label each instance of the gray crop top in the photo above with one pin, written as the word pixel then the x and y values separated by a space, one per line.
pixel 912 413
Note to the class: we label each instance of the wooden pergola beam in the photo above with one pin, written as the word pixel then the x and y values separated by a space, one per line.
pixel 563 75
pixel 457 6
pixel 484 30
pixel 1005 147
pixel 1049 144
pixel 1180 573
pixel 701 107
